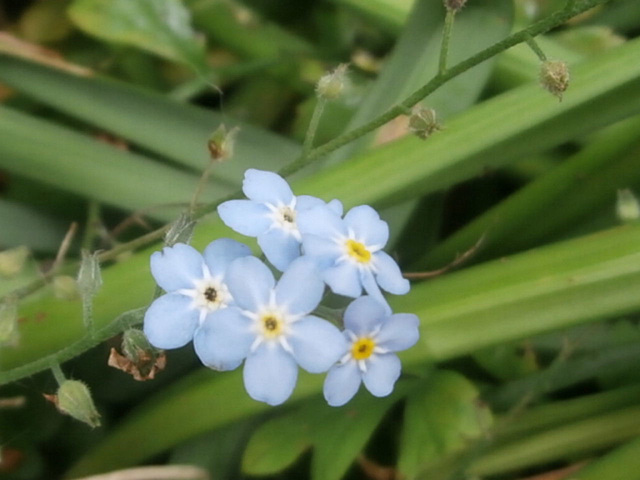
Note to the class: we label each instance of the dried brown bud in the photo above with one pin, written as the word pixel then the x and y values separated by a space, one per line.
pixel 139 359
pixel 454 5
pixel 554 77
pixel 221 143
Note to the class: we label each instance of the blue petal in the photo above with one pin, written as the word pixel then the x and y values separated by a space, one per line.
pixel 399 332
pixel 373 289
pixel 365 222
pixel 336 206
pixel 266 187
pixel 388 274
pixel 305 202
pixel 321 221
pixel 270 374
pixel 176 267
pixel 382 373
pixel 316 344
pixel 363 316
pixel 280 247
pixel 343 279
pixel 300 288
pixel 170 322
pixel 341 384
pixel 324 251
pixel 220 253
pixel 224 339
pixel 250 283
pixel 245 217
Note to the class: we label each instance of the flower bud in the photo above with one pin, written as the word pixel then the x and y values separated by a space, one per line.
pixel 423 123
pixel 627 207
pixel 221 142
pixel 454 5
pixel 74 399
pixel 89 277
pixel 331 85
pixel 12 260
pixel 554 77
pixel 8 324
pixel 180 230
pixel 140 358
pixel 65 287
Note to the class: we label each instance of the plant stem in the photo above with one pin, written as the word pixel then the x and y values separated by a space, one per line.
pixel 87 314
pixel 93 219
pixel 536 48
pixel 446 38
pixel 124 321
pixel 313 126
pixel 57 373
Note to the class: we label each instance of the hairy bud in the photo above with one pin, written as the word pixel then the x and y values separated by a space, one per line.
pixel 89 276
pixel 8 324
pixel 221 143
pixel 454 5
pixel 423 123
pixel 12 261
pixel 331 85
pixel 74 399
pixel 180 231
pixel 554 77
pixel 627 206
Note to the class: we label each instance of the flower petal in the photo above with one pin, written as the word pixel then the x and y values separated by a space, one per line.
pixel 364 315
pixel 266 187
pixel 245 217
pixel 388 274
pixel 176 267
pixel 321 221
pixel 343 279
pixel 399 332
pixel 300 288
pixel 250 283
pixel 382 373
pixel 316 344
pixel 341 384
pixel 373 289
pixel 270 374
pixel 324 252
pixel 170 322
pixel 336 206
pixel 305 202
pixel 224 339
pixel 221 252
pixel 280 247
pixel 365 222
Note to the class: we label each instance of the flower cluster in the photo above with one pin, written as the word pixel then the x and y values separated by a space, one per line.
pixel 231 306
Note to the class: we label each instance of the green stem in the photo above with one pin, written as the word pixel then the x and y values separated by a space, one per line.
pixel 536 48
pixel 87 314
pixel 313 126
pixel 58 374
pixel 93 219
pixel 537 28
pixel 124 321
pixel 446 38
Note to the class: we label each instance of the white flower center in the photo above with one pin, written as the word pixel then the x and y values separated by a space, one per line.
pixel 284 217
pixel 208 294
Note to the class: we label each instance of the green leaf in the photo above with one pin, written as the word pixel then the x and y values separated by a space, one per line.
pixel 23 225
pixel 150 120
pixel 162 27
pixel 443 415
pixel 55 155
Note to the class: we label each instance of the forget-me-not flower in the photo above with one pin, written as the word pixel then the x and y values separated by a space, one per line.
pixel 349 251
pixel 270 214
pixel 271 328
pixel 195 286
pixel 373 335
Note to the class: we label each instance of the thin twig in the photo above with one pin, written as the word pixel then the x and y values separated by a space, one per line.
pixel 64 248
pixel 458 261
pixel 168 472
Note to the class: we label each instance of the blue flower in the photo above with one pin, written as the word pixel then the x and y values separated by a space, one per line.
pixel 195 286
pixel 270 215
pixel 349 251
pixel 373 336
pixel 271 328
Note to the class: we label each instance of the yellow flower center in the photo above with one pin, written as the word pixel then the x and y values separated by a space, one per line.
pixel 358 251
pixel 362 348
pixel 271 325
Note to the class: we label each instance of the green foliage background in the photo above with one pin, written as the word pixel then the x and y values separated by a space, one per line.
pixel 529 350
